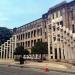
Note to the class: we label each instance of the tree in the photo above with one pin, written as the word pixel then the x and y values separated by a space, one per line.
pixel 14 30
pixel 21 51
pixel 40 48
pixel 5 34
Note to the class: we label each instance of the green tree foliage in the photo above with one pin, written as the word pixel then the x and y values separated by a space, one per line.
pixel 5 34
pixel 40 48
pixel 14 30
pixel 21 51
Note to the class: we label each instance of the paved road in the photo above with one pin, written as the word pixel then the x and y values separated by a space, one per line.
pixel 9 70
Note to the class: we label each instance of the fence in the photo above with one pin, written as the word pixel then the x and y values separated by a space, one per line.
pixel 33 56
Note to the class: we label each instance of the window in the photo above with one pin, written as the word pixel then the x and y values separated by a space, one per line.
pixel 58 35
pixel 28 43
pixel 62 37
pixel 61 30
pixel 58 39
pixel 8 42
pixel 55 53
pixel 65 42
pixel 54 38
pixel 17 37
pixel 34 33
pixel 53 28
pixel 31 33
pixel 60 53
pixel 38 40
pixel 45 35
pixel 34 42
pixel 51 50
pixel 49 26
pixel 17 44
pixel 41 40
pixel 28 34
pixel 61 23
pixel 51 57
pixel 57 14
pixel 60 12
pixel 23 36
pixel 57 23
pixel 38 32
pixel 41 31
pixel 53 15
pixel 31 43
pixel 64 31
pixel 45 24
pixel 23 44
pixel 72 14
pixel 73 28
pixel 58 28
pixel 71 37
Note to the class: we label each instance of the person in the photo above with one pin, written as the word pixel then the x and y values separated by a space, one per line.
pixel 21 60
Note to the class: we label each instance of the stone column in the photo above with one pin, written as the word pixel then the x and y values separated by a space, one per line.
pixel 33 33
pixel 71 53
pixel 1 52
pixel 15 40
pixel 48 47
pixel 33 43
pixel 4 51
pixel 57 44
pixel 65 52
pixel 12 50
pixel 62 56
pixel 57 52
pixel 67 55
pixel 61 43
pixel 53 51
pixel 30 43
pixel 69 50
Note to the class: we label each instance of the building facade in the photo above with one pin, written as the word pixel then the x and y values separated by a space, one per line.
pixel 57 27
pixel 61 32
pixel 29 34
pixel 6 49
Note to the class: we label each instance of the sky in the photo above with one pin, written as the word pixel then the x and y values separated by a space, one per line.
pixel 15 13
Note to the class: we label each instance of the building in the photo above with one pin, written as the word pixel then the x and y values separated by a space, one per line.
pixel 29 34
pixel 6 49
pixel 61 32
pixel 57 27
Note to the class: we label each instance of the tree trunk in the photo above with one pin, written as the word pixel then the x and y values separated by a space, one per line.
pixel 22 56
pixel 41 57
